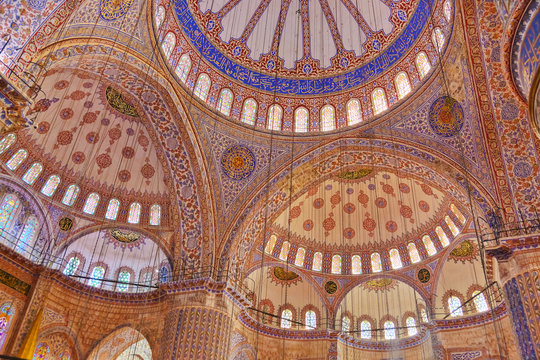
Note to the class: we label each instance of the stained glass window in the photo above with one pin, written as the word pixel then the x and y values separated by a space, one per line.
pixel 447 9
pixel 91 203
pixel 356 265
pixel 346 324
pixel 183 67
pixel 376 265
pixel 403 85
pixel 443 238
pixel 164 274
pixel 389 330
pixel 454 306
pixel 438 38
pixel 300 254
pixel 365 329
pixel 168 44
pixel 286 317
pixel 336 264
pixel 6 315
pixel 134 213
pixel 395 259
pixel 9 208
pixel 284 253
pixel 72 265
pixel 422 64
pixel 96 276
pixel 413 253
pixel 225 101
pixel 328 120
pixel 50 186
pixel 32 174
pixel 147 278
pixel 202 87
pixel 430 248
pixel 71 194
pixel 249 111
pixel 270 244
pixel 27 236
pixel 423 315
pixel 6 142
pixel 123 279
pixel 155 215
pixel 411 326
pixel 160 16
pixel 65 355
pixel 42 352
pixel 458 213
pixel 480 301
pixel 17 159
pixel 112 209
pixel 275 113
pixel 354 114
pixel 453 228
pixel 311 319
pixel 301 116
pixel 379 101
pixel 317 261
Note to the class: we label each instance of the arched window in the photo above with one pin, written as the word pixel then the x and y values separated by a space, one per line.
pixel 9 208
pixel 72 265
pixel 168 44
pixel 378 97
pixel 202 87
pixel 454 306
pixel 376 265
pixel 96 276
pixel 356 265
pixel 328 118
pixel 300 254
pixel 403 85
pixel 430 248
pixel 112 209
pixel 42 352
pixel 311 319
pixel 147 278
pixel 123 279
pixel 65 355
pixel 28 234
pixel 91 203
pixel 395 259
pixel 458 213
pixel 269 248
pixel 422 64
pixel 411 326
pixel 284 253
pixel 32 174
pixel 275 113
pixel 354 113
pixel 447 10
pixel 389 330
pixel 6 142
pixel 70 195
pixel 317 261
pixel 225 101
pixel 50 186
pixel 301 117
pixel 17 159
pixel 164 274
pixel 443 238
pixel 183 67
pixel 424 315
pixel 413 253
pixel 453 228
pixel 365 329
pixel 480 302
pixel 437 37
pixel 286 317
pixel 134 213
pixel 345 324
pixel 155 215
pixel 6 315
pixel 336 264
pixel 249 111
pixel 160 16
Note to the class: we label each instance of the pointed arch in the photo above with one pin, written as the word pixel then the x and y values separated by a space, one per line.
pixel 356 266
pixel 183 67
pixel 225 101
pixel 336 264
pixel 50 186
pixel 438 39
pixel 168 44
pixel 70 195
pixel 134 213
pixel 378 98
pixel 395 259
pixel 328 118
pixel 202 87
pixel 301 119
pixel 17 159
pixel 376 265
pixel 275 114
pixel 112 209
pixel 249 112
pixel 422 64
pixel 125 342
pixel 6 142
pixel 428 244
pixel 354 112
pixel 155 215
pixel 160 16
pixel 317 262
pixel 91 204
pixel 32 174
pixel 403 85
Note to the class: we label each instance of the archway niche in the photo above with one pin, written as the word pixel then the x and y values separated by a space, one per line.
pixel 123 344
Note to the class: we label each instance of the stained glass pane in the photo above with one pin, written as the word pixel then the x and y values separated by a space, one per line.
pixel 160 15
pixel 112 209
pixel 389 330
pixel 17 159
pixel 91 203
pixel 328 121
pixel 354 114
pixel 423 65
pixel 155 215
pixel 6 142
pixel 96 276
pixel 134 213
pixel 403 85
pixel 458 213
pixel 8 210
pixel 365 329
pixel 430 248
pixel 65 356
pixel 336 264
pixel 411 326
pixel 311 319
pixel 202 87
pixel 123 278
pixel 275 113
pixel 42 352
pixel 423 314
pixel 270 244
pixel 50 186
pixel 249 112
pixel 300 254
pixel 480 301
pixel 164 274
pixel 346 324
pixel 183 67
pixel 286 317
pixel 454 305
pixel 453 228
pixel 317 261
pixel 438 38
pixel 71 194
pixel 27 236
pixel 284 253
pixel 72 266
pixel 168 44
pixel 379 101
pixel 301 116
pixel 225 101
pixel 376 265
pixel 447 9
pixel 147 278
pixel 395 259
pixel 413 253
pixel 356 265
pixel 32 174
pixel 6 315
pixel 443 238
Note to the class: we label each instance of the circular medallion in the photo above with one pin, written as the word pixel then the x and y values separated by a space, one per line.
pixel 65 224
pixel 238 162
pixel 330 287
pixel 423 275
pixel 446 116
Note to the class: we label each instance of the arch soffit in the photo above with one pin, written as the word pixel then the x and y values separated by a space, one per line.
pixel 65 331
pixel 145 334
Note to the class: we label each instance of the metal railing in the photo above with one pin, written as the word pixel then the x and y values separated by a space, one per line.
pixel 497 230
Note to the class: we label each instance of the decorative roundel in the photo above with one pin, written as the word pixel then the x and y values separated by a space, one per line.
pixel 423 275
pixel 330 287
pixel 114 9
pixel 238 162
pixel 446 116
pixel 65 223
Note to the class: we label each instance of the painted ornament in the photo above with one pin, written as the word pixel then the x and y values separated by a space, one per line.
pixel 446 116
